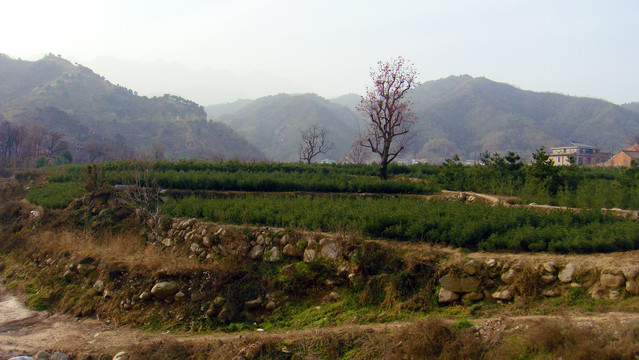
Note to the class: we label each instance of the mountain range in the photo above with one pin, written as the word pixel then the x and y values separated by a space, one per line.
pixel 455 115
pixel 84 106
pixel 274 123
pixel 466 115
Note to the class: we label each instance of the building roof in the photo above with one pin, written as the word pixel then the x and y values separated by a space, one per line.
pixel 634 147
pixel 577 145
pixel 632 154
pixel 581 145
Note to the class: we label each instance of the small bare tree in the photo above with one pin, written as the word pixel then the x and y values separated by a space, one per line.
pixel 314 142
pixel 357 154
pixel 145 196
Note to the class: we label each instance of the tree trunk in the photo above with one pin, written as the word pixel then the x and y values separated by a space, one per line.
pixel 382 170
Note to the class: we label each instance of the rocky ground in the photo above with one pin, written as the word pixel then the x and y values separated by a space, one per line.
pixel 24 332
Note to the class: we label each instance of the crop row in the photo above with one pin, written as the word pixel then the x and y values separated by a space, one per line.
pixel 271 181
pixel 473 226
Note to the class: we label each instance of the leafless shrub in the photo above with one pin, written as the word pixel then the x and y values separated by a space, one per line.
pixel 145 196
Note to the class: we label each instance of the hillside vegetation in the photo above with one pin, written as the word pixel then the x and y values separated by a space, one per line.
pixel 353 268
pixel 350 198
pixel 456 115
pixel 468 116
pixel 273 124
pixel 72 99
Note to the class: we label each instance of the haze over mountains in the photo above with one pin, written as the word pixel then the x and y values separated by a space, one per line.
pixel 205 86
pixel 72 99
pixel 634 106
pixel 273 123
pixel 456 115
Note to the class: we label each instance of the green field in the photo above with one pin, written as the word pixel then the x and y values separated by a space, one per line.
pixel 351 198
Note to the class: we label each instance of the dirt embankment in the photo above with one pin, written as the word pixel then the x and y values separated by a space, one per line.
pixel 25 332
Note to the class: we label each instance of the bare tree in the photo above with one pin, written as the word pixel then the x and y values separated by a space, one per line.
pixel 145 196
pixel 386 110
pixel 314 142
pixel 357 154
pixel 155 152
pixel 95 150
pixel 53 144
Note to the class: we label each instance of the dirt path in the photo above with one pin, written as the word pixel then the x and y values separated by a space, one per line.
pixel 23 331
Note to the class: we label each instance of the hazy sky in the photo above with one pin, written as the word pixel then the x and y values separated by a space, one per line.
pixel 584 48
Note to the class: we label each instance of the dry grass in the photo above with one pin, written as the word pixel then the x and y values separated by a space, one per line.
pixel 566 339
pixel 125 248
pixel 433 339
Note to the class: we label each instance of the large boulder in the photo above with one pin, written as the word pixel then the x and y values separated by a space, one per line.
pixel 446 296
pixel 509 276
pixel 611 280
pixel 309 255
pixel 165 289
pixel 631 272
pixel 98 287
pixel 42 355
pixel 256 252
pixel 459 284
pixel 253 304
pixel 549 267
pixel 291 250
pixel 632 287
pixel 472 267
pixel 504 295
pixel 273 255
pixel 331 250
pixel 566 274
pixel 473 296
pixel 196 248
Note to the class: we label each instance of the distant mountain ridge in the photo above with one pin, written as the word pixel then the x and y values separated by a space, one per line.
pixel 456 115
pixel 634 106
pixel 466 115
pixel 273 124
pixel 37 92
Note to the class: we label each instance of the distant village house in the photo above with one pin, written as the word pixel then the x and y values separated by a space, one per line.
pixel 584 155
pixel 624 157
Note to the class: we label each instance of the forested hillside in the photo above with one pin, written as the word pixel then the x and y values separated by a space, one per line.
pixel 634 106
pixel 468 116
pixel 71 99
pixel 273 124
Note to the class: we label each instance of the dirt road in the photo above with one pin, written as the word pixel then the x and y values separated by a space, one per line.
pixel 24 332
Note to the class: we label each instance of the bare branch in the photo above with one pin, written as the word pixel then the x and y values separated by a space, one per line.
pixel 145 196
pixel 314 142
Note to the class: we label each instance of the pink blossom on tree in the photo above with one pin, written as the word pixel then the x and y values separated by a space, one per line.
pixel 386 110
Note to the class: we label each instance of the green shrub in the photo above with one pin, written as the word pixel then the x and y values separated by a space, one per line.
pixel 54 195
pixel 473 226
